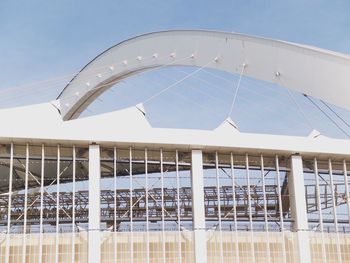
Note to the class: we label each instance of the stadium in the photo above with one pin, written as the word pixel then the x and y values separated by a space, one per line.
pixel 113 188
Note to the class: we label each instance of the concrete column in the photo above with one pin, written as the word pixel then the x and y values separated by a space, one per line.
pixel 94 249
pixel 200 240
pixel 298 208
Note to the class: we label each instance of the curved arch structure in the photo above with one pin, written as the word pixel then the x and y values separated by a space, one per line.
pixel 319 73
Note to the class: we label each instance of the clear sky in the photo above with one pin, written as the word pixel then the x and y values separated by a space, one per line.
pixel 44 39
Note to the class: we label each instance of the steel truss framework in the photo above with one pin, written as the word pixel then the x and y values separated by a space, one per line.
pixel 147 191
pixel 259 201
pixel 139 200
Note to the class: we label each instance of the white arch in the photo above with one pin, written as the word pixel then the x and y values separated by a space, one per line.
pixel 320 73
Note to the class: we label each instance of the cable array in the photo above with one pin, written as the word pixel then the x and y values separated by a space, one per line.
pixel 214 89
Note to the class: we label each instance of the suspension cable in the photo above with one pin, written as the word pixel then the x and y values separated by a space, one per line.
pixel 336 114
pixel 175 83
pixel 329 117
pixel 236 92
pixel 308 122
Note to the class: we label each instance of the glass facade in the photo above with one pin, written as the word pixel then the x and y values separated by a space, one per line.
pixel 147 209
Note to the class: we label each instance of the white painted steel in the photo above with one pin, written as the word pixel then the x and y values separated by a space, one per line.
pixel 219 205
pixel 248 193
pixel 295 65
pixel 233 191
pixel 73 205
pixel 115 253
pixel 251 228
pixel 234 203
pixel 298 207
pixel 319 207
pixel 297 194
pixel 178 205
pixel 147 207
pixel 94 248
pixel 288 64
pixel 334 207
pixel 200 243
pixel 278 179
pixel 30 119
pixel 162 205
pixel 24 237
pixel 318 198
pixel 262 169
pixel 346 181
pixel 8 229
pixel 42 184
pixel 131 207
pixel 58 175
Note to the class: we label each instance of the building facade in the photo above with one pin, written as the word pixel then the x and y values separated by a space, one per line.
pixel 111 188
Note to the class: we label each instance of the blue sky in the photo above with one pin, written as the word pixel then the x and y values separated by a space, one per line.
pixel 44 39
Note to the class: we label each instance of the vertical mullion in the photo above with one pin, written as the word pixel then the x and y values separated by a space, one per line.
pixel 58 201
pixel 218 189
pixel 147 208
pixel 131 208
pixel 248 192
pixel 219 204
pixel 265 207
pixel 73 204
pixel 162 205
pixel 234 208
pixel 42 184
pixel 319 205
pixel 335 218
pixel 280 208
pixel 346 188
pixel 24 241
pixel 233 193
pixel 115 187
pixel 115 201
pixel 250 207
pixel 178 205
pixel 318 193
pixel 264 192
pixel 8 232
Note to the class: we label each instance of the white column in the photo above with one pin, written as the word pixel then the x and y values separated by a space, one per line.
pixel 73 205
pixel 262 170
pixel 200 240
pixel 147 208
pixel 24 237
pixel 94 204
pixel 115 253
pixel 219 205
pixel 346 182
pixel 178 206
pixel 298 208
pixel 8 232
pixel 131 208
pixel 42 184
pixel 57 251
pixel 234 203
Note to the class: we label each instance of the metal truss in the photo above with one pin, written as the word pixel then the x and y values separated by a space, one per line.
pixel 139 205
